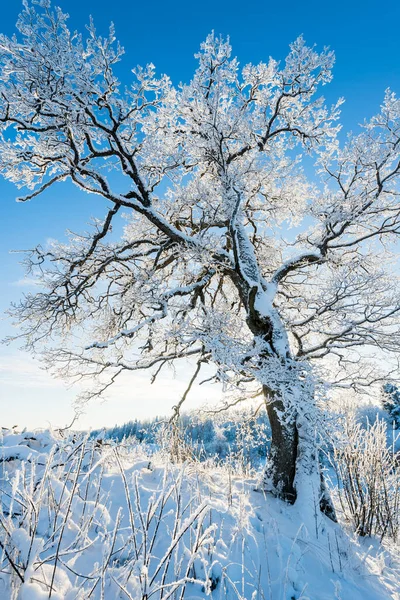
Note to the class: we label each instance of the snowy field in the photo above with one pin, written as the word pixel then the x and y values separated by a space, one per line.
pixel 82 519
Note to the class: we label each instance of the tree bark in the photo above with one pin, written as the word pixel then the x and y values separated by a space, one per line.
pixel 289 461
pixel 281 467
pixel 293 471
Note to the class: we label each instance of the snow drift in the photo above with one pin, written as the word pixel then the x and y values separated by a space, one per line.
pixel 83 518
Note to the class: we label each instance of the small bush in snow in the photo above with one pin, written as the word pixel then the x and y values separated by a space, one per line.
pixel 368 478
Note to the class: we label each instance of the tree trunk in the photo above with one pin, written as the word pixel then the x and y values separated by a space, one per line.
pixel 281 467
pixel 293 465
pixel 293 471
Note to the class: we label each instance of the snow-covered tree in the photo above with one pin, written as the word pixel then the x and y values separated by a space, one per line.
pixel 391 402
pixel 209 176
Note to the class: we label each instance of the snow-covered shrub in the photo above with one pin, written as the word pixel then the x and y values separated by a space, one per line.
pixel 368 477
pixel 171 440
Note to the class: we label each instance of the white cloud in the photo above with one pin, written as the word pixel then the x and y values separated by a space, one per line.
pixel 26 282
pixel 20 370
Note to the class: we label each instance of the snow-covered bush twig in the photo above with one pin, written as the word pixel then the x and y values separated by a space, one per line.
pixel 368 477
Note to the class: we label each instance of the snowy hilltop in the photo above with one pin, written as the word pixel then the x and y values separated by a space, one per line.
pixel 84 518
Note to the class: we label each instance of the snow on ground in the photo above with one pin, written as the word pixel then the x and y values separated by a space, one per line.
pixel 83 519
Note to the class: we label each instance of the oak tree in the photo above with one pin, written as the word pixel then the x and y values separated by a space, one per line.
pixel 209 176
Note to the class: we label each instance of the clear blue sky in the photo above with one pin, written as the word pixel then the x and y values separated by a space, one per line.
pixel 364 35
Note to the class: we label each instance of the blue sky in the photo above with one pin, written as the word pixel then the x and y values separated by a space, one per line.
pixel 365 38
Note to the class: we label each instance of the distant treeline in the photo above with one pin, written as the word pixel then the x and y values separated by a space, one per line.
pixel 239 435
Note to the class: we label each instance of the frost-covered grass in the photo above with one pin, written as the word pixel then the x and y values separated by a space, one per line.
pixel 81 519
pixel 238 436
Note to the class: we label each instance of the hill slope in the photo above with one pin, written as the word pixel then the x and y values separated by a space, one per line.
pixel 108 521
